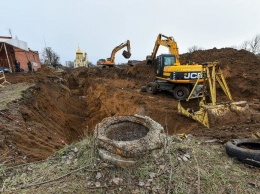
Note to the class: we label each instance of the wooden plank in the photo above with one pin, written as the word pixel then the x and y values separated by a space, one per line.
pixel 8 59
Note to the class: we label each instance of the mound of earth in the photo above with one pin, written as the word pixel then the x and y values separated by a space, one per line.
pixel 59 108
pixel 240 68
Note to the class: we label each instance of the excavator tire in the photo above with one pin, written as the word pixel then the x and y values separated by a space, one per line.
pixel 180 92
pixel 151 88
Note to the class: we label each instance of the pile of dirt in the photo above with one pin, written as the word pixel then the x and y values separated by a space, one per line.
pixel 143 72
pixel 240 68
pixel 62 107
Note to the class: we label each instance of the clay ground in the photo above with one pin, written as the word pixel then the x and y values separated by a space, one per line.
pixel 59 108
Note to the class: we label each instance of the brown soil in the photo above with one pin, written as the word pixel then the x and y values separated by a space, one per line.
pixel 61 108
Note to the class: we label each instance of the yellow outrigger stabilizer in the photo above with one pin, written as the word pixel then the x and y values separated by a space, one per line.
pixel 210 112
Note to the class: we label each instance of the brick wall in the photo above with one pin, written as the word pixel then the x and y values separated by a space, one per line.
pixel 24 56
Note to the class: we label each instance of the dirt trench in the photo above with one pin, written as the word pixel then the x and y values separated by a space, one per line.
pixel 61 109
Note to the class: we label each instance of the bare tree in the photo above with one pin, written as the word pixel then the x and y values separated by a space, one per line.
pixel 255 44
pixel 190 51
pixel 194 48
pixel 245 45
pixel 50 57
pixel 252 45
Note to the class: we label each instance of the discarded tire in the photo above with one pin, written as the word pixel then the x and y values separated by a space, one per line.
pixel 245 150
pixel 123 139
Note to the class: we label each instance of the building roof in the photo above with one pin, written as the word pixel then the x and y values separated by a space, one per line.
pixel 79 51
pixel 14 42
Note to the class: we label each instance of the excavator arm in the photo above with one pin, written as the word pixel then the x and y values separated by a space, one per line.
pixel 166 41
pixel 126 54
pixel 111 61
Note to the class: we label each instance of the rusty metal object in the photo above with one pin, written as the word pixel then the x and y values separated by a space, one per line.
pixel 123 139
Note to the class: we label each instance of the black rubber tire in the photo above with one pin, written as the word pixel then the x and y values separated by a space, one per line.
pixel 151 88
pixel 180 92
pixel 245 150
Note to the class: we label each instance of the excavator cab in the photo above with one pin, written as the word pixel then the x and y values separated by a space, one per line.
pixel 163 61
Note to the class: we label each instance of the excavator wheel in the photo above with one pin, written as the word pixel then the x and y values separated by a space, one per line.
pixel 180 92
pixel 151 88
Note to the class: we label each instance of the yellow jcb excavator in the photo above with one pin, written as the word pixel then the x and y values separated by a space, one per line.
pixel 170 74
pixel 209 112
pixel 111 61
pixel 192 81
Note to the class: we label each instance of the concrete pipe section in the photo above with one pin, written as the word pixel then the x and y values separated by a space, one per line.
pixel 122 140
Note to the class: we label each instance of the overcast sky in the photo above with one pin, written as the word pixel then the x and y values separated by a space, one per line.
pixel 97 26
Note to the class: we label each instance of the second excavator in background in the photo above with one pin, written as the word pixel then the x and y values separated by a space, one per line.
pixel 110 62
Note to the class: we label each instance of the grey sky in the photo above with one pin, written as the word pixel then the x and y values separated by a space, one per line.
pixel 97 26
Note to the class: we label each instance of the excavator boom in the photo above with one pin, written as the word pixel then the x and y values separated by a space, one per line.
pixel 166 41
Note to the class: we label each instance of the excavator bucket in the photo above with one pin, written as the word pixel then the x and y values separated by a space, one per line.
pixel 209 112
pixel 126 54
pixel 216 115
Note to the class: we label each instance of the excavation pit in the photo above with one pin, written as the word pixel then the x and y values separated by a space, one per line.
pixel 126 131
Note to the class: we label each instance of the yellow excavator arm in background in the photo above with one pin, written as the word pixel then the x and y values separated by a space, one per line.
pixel 126 54
pixel 111 61
pixel 166 41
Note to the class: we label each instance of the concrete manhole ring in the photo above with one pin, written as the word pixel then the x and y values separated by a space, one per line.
pixel 125 138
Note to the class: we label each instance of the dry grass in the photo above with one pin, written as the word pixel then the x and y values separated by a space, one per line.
pixel 11 93
pixel 187 166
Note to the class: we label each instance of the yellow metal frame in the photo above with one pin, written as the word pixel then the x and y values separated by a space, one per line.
pixel 212 74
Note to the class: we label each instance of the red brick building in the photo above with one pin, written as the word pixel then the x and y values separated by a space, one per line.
pixel 13 49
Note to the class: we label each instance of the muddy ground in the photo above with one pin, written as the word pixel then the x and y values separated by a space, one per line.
pixel 62 107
